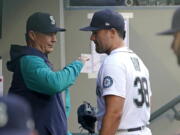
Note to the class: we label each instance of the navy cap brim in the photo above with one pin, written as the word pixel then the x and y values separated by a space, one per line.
pixel 168 32
pixel 56 29
pixel 61 29
pixel 89 28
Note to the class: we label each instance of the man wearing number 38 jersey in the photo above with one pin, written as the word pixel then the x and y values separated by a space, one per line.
pixel 123 86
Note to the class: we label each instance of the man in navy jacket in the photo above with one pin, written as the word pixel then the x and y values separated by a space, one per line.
pixel 34 78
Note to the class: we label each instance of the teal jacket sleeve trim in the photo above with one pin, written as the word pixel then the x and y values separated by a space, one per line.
pixel 40 78
pixel 68 105
pixel 67 102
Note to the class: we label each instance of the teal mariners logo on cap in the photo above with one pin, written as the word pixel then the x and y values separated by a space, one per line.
pixel 107 82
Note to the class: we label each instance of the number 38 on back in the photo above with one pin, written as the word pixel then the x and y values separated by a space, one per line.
pixel 142 85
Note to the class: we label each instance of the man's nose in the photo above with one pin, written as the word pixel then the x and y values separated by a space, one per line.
pixel 54 38
pixel 92 37
pixel 172 44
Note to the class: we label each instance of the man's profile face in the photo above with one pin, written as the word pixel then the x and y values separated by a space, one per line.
pixel 45 42
pixel 101 39
pixel 176 45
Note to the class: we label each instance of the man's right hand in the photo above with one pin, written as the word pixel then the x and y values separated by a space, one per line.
pixel 83 59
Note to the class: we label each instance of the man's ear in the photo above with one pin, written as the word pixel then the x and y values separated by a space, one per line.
pixel 32 35
pixel 113 31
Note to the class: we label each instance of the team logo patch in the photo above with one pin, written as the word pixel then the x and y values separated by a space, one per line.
pixel 52 19
pixel 107 82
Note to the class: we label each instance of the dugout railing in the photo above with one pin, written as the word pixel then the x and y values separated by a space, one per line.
pixel 169 106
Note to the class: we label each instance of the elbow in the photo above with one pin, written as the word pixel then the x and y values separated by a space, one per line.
pixel 55 90
pixel 51 90
pixel 117 119
pixel 116 116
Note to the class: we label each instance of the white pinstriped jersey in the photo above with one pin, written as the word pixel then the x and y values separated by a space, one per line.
pixel 124 74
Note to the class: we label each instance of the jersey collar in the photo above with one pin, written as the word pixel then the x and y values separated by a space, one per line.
pixel 121 49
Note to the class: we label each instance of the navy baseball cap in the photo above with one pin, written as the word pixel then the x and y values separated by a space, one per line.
pixel 106 19
pixel 15 116
pixel 175 26
pixel 42 22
